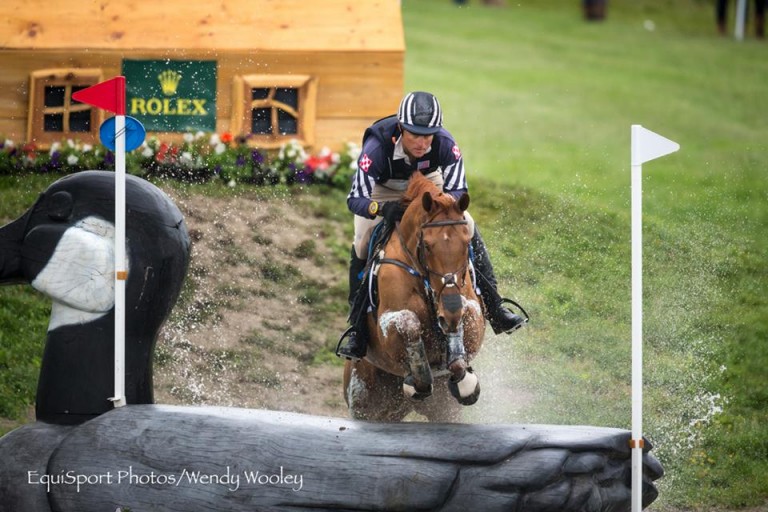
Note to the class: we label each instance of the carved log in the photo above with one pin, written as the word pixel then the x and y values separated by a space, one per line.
pixel 153 457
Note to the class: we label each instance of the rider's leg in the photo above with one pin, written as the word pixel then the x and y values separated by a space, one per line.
pixel 357 341
pixel 501 318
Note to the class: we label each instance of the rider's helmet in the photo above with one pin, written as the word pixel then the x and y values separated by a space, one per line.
pixel 420 113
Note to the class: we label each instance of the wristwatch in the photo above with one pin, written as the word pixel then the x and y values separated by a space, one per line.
pixel 373 208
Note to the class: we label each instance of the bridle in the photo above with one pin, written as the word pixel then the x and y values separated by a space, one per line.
pixel 448 280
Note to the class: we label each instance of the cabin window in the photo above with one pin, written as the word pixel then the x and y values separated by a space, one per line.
pixel 53 114
pixel 274 109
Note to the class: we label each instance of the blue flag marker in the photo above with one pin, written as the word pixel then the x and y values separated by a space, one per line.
pixel 134 133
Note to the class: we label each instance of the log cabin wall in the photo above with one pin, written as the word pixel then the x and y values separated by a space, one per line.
pixel 353 50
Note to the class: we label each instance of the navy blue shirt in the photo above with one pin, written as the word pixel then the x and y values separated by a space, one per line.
pixel 382 160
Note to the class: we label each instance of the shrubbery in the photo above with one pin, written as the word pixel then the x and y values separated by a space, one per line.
pixel 200 157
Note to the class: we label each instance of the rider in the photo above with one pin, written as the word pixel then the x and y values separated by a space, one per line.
pixel 413 140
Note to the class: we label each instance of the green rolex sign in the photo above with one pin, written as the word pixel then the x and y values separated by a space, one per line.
pixel 171 95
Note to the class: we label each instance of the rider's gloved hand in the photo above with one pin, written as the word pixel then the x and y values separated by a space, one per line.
pixel 392 211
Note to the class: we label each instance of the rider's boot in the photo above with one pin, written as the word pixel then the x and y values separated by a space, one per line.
pixel 357 342
pixel 501 318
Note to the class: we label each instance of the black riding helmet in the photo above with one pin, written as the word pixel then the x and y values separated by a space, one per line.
pixel 420 113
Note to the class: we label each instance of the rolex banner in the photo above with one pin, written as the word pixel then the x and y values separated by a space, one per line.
pixel 171 95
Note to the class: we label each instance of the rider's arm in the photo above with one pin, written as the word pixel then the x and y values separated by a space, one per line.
pixel 359 198
pixel 452 164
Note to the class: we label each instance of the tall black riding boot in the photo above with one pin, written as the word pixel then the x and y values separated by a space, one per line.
pixel 357 341
pixel 501 318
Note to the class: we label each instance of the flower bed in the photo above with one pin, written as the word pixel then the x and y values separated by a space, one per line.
pixel 200 157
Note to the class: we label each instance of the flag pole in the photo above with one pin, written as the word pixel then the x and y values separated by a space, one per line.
pixel 636 443
pixel 110 95
pixel 645 145
pixel 121 272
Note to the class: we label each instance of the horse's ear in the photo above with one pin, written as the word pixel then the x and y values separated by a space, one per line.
pixel 463 202
pixel 426 201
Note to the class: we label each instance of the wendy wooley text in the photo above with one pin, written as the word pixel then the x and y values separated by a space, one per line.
pixel 227 477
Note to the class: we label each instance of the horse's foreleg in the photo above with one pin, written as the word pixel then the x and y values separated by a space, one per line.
pixel 406 325
pixel 463 384
pixel 418 383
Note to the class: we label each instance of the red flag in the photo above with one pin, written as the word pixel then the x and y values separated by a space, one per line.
pixel 109 95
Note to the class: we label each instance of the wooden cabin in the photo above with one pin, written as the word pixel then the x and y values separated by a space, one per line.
pixel 318 71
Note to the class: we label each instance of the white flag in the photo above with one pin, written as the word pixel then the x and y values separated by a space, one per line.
pixel 647 145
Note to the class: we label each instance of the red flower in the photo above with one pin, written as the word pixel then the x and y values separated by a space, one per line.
pixel 226 137
pixel 315 162
pixel 166 153
pixel 30 151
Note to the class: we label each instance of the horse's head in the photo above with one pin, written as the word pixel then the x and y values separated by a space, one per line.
pixel 442 238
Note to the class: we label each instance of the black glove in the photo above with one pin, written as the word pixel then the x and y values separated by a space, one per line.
pixel 392 211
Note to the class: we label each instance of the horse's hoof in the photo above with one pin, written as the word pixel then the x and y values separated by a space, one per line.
pixel 467 389
pixel 410 391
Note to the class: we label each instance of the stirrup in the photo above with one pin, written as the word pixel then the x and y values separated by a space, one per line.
pixel 518 306
pixel 344 335
pixel 506 326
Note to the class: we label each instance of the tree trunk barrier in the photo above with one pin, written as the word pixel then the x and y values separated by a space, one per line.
pixel 161 457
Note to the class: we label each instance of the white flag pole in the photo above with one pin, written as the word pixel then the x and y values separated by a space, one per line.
pixel 121 273
pixel 637 325
pixel 646 145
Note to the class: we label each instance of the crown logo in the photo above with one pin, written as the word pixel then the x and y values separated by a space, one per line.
pixel 169 81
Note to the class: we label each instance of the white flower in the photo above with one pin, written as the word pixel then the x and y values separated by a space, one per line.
pixel 353 150
pixel 188 137
pixel 214 140
pixel 87 148
pixel 8 143
pixel 70 143
pixel 72 159
pixel 220 148
pixel 231 184
pixel 186 157
pixel 199 135
pixel 147 152
pixel 54 148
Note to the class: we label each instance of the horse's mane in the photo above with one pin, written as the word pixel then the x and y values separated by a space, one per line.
pixel 418 184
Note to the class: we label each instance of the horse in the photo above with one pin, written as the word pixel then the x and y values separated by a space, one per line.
pixel 428 323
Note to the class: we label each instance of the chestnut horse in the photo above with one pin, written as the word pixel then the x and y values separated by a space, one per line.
pixel 428 323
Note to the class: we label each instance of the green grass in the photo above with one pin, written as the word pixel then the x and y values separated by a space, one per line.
pixel 541 103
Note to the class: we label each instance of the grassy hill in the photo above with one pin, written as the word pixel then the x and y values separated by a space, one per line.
pixel 541 103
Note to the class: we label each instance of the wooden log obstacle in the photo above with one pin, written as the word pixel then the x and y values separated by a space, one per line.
pixel 82 455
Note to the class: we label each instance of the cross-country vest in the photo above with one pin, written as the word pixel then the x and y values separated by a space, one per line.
pixel 384 130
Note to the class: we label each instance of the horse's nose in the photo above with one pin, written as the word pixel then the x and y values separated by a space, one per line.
pixel 450 312
pixel 449 324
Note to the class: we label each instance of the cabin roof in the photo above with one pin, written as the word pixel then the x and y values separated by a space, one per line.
pixel 290 25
